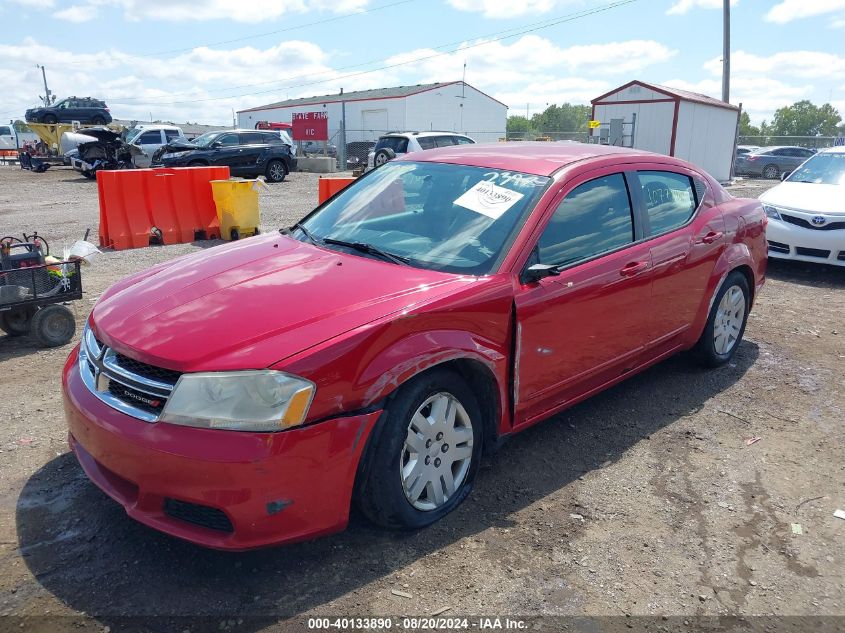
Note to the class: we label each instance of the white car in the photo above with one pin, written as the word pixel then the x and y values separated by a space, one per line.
pixel 399 143
pixel 151 137
pixel 807 211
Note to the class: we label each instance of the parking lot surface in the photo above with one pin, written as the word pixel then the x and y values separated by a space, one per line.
pixel 647 499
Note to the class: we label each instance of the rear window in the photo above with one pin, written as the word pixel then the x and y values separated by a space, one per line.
pixel 398 144
pixel 669 199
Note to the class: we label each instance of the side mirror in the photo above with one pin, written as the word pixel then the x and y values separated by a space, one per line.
pixel 536 272
pixel 216 144
pixel 785 175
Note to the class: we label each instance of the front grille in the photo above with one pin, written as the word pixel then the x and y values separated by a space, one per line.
pixel 812 252
pixel 204 516
pixel 128 385
pixel 830 226
pixel 147 371
pixel 778 247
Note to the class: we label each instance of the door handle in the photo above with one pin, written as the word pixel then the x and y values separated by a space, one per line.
pixel 711 237
pixel 629 270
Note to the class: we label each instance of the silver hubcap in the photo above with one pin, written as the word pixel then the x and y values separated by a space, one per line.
pixel 381 159
pixel 437 452
pixel 276 171
pixel 729 317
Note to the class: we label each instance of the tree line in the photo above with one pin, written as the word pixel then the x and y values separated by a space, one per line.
pixel 800 119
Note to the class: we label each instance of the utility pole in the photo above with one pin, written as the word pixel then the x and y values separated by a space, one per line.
pixel 342 153
pixel 46 97
pixel 726 52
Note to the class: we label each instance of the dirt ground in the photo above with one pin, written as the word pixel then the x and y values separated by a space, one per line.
pixel 644 501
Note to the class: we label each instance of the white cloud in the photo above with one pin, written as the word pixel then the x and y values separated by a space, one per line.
pixel 802 64
pixel 789 10
pixel 196 85
pixel 39 4
pixel 77 13
pixel 685 6
pixel 506 8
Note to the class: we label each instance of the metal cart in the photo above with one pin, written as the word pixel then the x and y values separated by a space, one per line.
pixel 33 291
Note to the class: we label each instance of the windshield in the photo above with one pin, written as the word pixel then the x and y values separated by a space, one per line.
pixel 204 140
pixel 827 168
pixel 132 134
pixel 453 218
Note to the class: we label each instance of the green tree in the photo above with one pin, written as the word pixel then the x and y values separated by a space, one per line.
pixel 805 119
pixel 745 127
pixel 562 118
pixel 519 127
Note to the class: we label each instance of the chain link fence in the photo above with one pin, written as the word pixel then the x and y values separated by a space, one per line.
pixel 811 142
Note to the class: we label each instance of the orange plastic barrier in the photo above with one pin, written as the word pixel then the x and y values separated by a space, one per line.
pixel 170 206
pixel 328 186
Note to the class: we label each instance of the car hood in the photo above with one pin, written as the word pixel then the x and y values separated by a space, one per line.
pixel 179 145
pixel 255 302
pixel 809 197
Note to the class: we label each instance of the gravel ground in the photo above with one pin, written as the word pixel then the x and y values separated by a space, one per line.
pixel 644 500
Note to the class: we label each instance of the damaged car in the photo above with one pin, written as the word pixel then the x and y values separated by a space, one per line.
pixel 106 150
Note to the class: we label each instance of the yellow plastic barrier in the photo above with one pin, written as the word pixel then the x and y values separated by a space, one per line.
pixel 237 206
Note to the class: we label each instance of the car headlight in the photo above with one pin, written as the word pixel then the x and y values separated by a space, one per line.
pixel 256 400
pixel 771 211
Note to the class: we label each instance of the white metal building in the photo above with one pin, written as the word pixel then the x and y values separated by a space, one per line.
pixel 691 126
pixel 454 107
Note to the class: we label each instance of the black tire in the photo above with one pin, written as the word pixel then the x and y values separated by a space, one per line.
pixel 771 172
pixel 197 163
pixel 51 119
pixel 382 156
pixel 276 171
pixel 705 350
pixel 235 235
pixel 380 494
pixel 16 322
pixel 54 325
pixel 98 120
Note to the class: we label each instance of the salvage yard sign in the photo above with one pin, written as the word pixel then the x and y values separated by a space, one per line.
pixel 310 126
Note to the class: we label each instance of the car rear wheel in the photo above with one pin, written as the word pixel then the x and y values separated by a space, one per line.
pixel 98 120
pixel 726 322
pixel 197 163
pixel 275 171
pixel 424 454
pixel 771 172
pixel 50 118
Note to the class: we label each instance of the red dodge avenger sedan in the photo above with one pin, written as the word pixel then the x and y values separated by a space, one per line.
pixel 248 395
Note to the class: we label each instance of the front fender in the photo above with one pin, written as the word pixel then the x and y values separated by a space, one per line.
pixel 421 351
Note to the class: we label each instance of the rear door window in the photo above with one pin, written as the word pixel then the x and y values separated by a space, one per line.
pixel 669 198
pixel 445 141
pixel 427 142
pixel 171 134
pixel 594 218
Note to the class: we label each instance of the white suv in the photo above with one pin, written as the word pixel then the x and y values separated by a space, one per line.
pixel 398 143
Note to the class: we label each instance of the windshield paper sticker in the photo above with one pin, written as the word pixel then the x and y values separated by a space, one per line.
pixel 489 199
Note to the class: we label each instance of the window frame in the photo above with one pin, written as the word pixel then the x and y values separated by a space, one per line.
pixel 646 220
pixel 565 191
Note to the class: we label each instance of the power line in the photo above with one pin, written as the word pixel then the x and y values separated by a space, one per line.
pixel 502 35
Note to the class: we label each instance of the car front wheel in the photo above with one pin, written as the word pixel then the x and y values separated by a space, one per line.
pixel 422 461
pixel 726 322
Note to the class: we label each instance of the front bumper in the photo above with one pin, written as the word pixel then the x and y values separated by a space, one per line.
pixel 220 489
pixel 788 241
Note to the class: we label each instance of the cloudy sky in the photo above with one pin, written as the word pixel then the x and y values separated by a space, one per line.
pixel 197 60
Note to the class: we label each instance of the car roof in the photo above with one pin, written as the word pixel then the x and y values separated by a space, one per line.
pixel 541 159
pixel 418 134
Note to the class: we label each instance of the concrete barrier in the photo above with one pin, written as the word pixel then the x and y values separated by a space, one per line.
pixel 317 164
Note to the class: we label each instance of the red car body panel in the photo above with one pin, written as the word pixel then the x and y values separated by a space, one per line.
pixel 359 328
